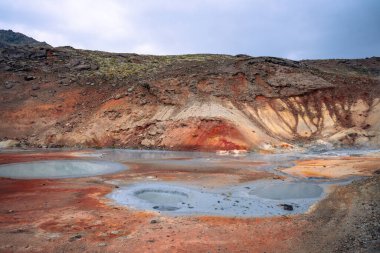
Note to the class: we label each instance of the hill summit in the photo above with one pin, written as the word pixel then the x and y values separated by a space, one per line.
pixel 11 38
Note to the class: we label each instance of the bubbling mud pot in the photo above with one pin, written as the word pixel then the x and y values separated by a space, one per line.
pixel 164 199
pixel 59 169
pixel 246 200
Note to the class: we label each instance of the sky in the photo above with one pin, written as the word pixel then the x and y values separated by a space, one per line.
pixel 294 29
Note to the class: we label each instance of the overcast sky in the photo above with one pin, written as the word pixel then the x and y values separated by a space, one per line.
pixel 295 29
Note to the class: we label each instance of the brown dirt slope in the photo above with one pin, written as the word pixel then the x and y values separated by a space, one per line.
pixel 346 221
pixel 69 97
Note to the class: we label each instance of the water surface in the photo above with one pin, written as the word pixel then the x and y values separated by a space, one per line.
pixel 249 199
pixel 181 199
pixel 59 169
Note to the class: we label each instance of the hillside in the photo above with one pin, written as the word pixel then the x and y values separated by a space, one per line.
pixel 53 97
pixel 10 38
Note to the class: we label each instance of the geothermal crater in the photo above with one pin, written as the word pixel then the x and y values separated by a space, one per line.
pixel 177 199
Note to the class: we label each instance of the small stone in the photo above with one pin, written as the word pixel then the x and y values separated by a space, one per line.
pixel 153 221
pixel 148 143
pixel 7 68
pixel 8 85
pixel 102 244
pixel 35 87
pixel 166 208
pixel 94 67
pixel 153 132
pixel 75 62
pixel 118 96
pixel 75 237
pixel 82 67
pixel 287 207
pixel 29 78
pixel 112 115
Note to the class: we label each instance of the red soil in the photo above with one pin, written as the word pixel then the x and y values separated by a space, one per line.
pixel 207 135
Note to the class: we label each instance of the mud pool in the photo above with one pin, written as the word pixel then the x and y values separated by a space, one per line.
pixel 59 169
pixel 172 183
pixel 286 190
pixel 177 199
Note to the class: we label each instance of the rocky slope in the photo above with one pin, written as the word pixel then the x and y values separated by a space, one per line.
pixel 11 38
pixel 69 97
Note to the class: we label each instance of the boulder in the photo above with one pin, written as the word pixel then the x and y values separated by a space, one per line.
pixel 82 67
pixel 35 87
pixel 148 142
pixel 287 207
pixel 8 85
pixel 9 144
pixel 29 78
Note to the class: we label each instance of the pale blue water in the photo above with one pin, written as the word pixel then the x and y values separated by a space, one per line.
pixel 182 199
pixel 257 198
pixel 59 169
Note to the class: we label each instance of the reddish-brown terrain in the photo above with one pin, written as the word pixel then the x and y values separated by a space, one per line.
pixel 73 215
pixel 65 97
pixel 52 97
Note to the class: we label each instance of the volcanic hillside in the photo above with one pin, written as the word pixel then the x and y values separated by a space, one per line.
pixel 54 97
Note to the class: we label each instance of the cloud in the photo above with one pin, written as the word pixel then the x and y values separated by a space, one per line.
pixel 148 48
pixel 283 28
